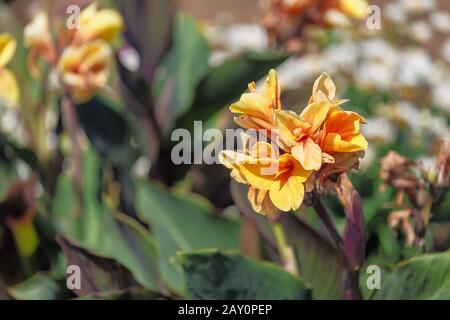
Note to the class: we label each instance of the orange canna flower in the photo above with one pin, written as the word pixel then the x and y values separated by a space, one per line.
pixel 342 132
pixel 256 109
pixel 311 148
pixel 9 89
pixel 85 69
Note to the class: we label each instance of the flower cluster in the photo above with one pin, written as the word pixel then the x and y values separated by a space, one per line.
pixel 9 90
pixel 305 150
pixel 86 55
pixel 284 20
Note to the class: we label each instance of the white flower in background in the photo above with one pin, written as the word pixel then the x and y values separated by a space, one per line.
pixel 378 49
pixel 395 12
pixel 375 74
pixel 342 56
pixel 217 57
pixel 141 167
pixel 244 37
pixel 421 31
pixel 129 58
pixel 295 71
pixel 436 125
pixel 11 125
pixel 230 40
pixel 440 20
pixel 441 95
pixel 402 114
pixel 415 68
pixel 23 169
pixel 446 50
pixel 418 6
pixel 427 164
pixel 379 129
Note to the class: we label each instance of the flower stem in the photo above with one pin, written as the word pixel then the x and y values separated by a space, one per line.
pixel 327 222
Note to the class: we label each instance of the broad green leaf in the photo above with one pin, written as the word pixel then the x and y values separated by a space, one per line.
pixel 321 265
pixel 92 227
pixel 422 277
pixel 40 287
pixel 105 127
pixel 215 275
pixel 182 222
pixel 186 64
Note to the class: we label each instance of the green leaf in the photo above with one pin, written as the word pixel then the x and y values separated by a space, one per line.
pixel 40 287
pixel 215 275
pixel 182 222
pixel 104 126
pixel 91 226
pixel 181 72
pixel 422 277
pixel 321 265
pixel 97 274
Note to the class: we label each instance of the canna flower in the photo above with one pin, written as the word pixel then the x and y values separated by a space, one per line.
pixel 310 150
pixel 9 89
pixel 85 69
pixel 104 24
pixel 276 181
pixel 38 39
pixel 322 128
pixel 256 110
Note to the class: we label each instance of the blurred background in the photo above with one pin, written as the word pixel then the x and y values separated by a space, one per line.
pixel 92 184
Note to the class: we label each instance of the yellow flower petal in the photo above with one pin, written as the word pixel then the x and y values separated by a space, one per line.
pixel 254 105
pixel 316 113
pixel 272 89
pixel 7 48
pixel 104 24
pixel 9 89
pixel 255 123
pixel 333 142
pixel 309 154
pixel 356 9
pixel 324 89
pixel 85 69
pixel 290 126
pixel 260 201
pixel 289 195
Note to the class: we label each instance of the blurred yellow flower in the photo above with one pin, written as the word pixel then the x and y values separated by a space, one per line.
pixel 95 24
pixel 38 39
pixel 256 109
pixel 9 89
pixel 356 9
pixel 85 69
pixel 7 49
